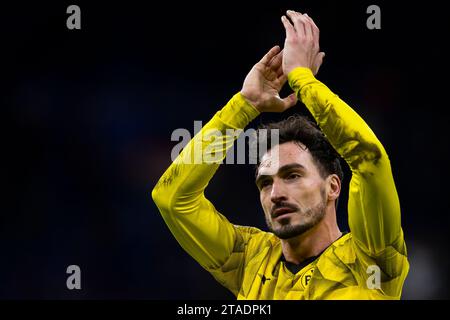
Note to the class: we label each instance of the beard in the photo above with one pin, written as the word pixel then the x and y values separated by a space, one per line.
pixel 310 217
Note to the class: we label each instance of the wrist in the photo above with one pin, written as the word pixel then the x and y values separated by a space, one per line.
pixel 300 77
pixel 289 70
pixel 238 112
pixel 253 101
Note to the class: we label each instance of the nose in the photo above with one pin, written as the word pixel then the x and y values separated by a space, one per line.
pixel 278 192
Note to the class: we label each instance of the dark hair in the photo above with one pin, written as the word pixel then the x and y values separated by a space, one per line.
pixel 299 129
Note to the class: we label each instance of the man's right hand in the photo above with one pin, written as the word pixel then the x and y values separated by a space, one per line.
pixel 301 47
pixel 263 83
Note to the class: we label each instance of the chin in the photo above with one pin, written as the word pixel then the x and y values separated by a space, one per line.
pixel 290 231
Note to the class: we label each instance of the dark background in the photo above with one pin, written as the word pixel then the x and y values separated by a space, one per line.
pixel 88 115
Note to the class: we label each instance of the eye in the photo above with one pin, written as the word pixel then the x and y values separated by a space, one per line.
pixel 293 176
pixel 264 184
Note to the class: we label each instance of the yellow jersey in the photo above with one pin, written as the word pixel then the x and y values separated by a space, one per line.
pixel 248 261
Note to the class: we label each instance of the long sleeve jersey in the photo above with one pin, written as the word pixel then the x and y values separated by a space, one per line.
pixel 247 260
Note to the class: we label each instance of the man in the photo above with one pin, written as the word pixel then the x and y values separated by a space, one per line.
pixel 305 256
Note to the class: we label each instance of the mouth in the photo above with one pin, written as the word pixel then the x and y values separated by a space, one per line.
pixel 280 212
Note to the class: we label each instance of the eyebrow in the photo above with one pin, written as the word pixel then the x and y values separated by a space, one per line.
pixel 286 167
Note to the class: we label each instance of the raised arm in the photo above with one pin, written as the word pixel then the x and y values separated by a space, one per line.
pixel 373 209
pixel 199 228
pixel 179 194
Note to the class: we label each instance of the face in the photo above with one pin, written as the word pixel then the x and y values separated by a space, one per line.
pixel 292 191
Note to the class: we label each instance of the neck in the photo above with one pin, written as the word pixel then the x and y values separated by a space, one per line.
pixel 314 241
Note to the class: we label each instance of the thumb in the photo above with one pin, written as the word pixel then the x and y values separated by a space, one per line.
pixel 289 101
pixel 318 62
pixel 321 56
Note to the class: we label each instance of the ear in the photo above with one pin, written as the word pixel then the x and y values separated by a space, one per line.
pixel 333 187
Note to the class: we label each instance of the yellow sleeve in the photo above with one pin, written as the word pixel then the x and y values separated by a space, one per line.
pixel 179 194
pixel 373 207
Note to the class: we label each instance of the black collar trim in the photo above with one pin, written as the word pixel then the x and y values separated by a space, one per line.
pixel 295 268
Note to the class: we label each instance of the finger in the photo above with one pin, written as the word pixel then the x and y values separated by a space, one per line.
pixel 290 30
pixel 298 21
pixel 315 30
pixel 279 71
pixel 312 22
pixel 277 61
pixel 269 55
pixel 308 27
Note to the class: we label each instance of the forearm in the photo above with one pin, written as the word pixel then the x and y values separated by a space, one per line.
pixel 179 194
pixel 374 211
pixel 191 171
pixel 344 128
